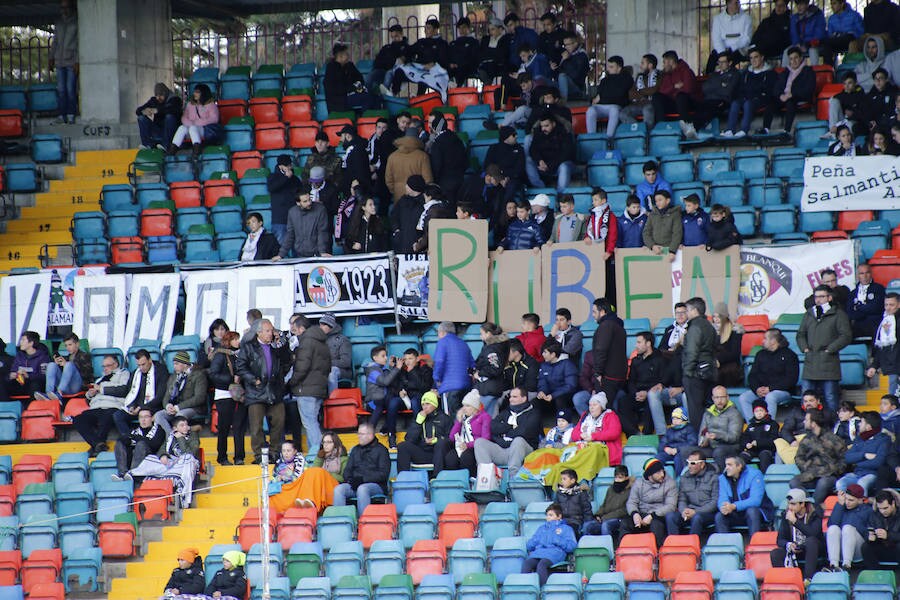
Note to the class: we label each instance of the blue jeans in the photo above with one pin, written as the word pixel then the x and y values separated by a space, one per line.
pixel 749 107
pixel 605 527
pixel 377 77
pixel 66 84
pixel 752 518
pixel 66 380
pixel 489 403
pixel 563 175
pixel 333 378
pixel 773 399
pixel 850 478
pixel 581 399
pixel 568 88
pixel 153 133
pixel 675 524
pixel 656 401
pixel 310 408
pixel 893 380
pixel 363 495
pixel 123 422
pixel 830 390
pixel 278 230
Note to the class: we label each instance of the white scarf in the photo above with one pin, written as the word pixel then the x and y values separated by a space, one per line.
pixel 314 191
pixel 886 335
pixel 420 226
pixel 815 313
pixel 590 424
pixel 678 332
pixel 599 223
pixel 149 391
pixel 861 291
pixel 249 250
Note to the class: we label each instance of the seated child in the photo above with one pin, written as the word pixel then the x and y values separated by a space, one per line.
pixel 758 439
pixel 561 435
pixel 574 499
pixel 606 519
pixel 678 440
pixel 721 232
pixel 229 582
pixel 550 544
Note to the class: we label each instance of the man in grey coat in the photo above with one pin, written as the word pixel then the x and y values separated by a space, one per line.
pixel 698 494
pixel 308 231
pixel 309 379
pixel 824 330
pixel 652 497
pixel 721 427
pixel 64 58
pixel 698 360
pixel 339 347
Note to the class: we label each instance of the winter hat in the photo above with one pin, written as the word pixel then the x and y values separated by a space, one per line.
pixel 161 89
pixel 416 183
pixel 347 129
pixel 678 413
pixel 431 398
pixel 188 554
pixel 721 309
pixel 328 319
pixel 236 558
pixel 472 399
pixel 183 357
pixel 494 171
pixel 506 131
pixel 653 465
pixel 568 414
pixel 317 174
pixel 541 200
pixel 761 403
pixel 856 490
pixel 284 160
pixel 600 398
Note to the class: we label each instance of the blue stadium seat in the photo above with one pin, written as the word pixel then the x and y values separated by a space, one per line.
pixel 214 159
pixel 869 243
pixel 723 552
pixel 47 148
pixel 521 586
pixel 117 197
pixel 239 134
pixel 764 191
pixel 744 220
pixel 254 564
pixel 111 497
pixel 122 223
pixel 418 522
pixel 777 481
pixel 562 586
pixel 88 225
pixel 752 163
pixel 75 536
pixel 227 218
pixel 336 525
pixel 681 190
pixel 81 570
pixel 532 518
pixel 35 500
pixel 21 177
pixel 478 149
pixel 12 97
pixel 268 77
pixel 40 532
pixel 810 222
pixel 436 587
pixel 854 362
pixel 70 468
pixel 777 219
pixel 737 585
pixel 588 144
pixel 235 84
pixel 605 586
pixel 409 489
pixel 582 195
pixel 177 168
pixel 498 520
pixel 677 168
pixel 666 141
pixel 468 555
pixel 344 558
pixel 786 160
pixel 631 139
pixel 711 164
pixel 603 172
pixel 10 415
pixel 11 592
pixel 807 134
pixel 616 197
pixel 449 487
pixel 92 251
pixel 525 492
pixel 42 97
pixel 634 169
pixel 148 192
pixel 251 187
pixel 186 218
pixel 385 557
pixel 829 586
pixel 794 237
pixel 312 588
pixel 229 245
pixel 727 192
pixel 207 75
pixel 639 590
pixel 162 249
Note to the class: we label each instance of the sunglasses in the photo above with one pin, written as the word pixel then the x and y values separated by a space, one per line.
pixel 695 462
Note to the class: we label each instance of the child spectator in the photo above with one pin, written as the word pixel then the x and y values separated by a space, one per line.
pixel 574 500
pixel 569 226
pixel 631 225
pixel 721 232
pixel 558 376
pixel 532 336
pixel 543 215
pixel 758 439
pixel 188 578
pixel 561 435
pixel 379 393
pixel 229 582
pixel 677 441
pixel 695 222
pixel 847 425
pixel 890 414
pixel 653 182
pixel 523 233
pixel 550 544
pixel 612 511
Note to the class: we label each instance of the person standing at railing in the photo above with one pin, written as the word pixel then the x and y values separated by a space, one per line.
pixel 64 58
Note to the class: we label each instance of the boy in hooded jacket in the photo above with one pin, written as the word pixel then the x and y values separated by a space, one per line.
pixel 188 578
pixel 758 439
pixel 574 499
pixel 550 544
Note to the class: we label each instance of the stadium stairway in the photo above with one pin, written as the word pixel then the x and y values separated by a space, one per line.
pixel 45 217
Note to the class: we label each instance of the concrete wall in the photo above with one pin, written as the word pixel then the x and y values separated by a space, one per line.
pixel 636 27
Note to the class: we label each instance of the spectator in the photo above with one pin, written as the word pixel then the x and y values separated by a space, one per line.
pixel 535 64
pixel 807 31
pixel 794 85
pixel 463 53
pixel 698 363
pixel 521 36
pixel 867 454
pixel 66 374
pixel 694 222
pixel 230 580
pixel 325 191
pixel 408 160
pixel 356 177
pixel 133 447
pixel 307 229
pixel 325 156
pixel 262 366
pixel 840 293
pixel 64 58
pixel 847 529
pixel 846 107
pixel 742 498
pixel 879 103
pixel 728 348
pixel 146 388
pixel 260 244
pixel 758 439
pixel 283 186
pixel 552 155
pixel 452 364
pixel 677 441
pixel 846 426
pixel 646 84
pixel 471 424
pixel 494 52
pixel 611 512
pixel 339 348
pixel 645 374
pixel 521 370
pixel 509 155
pixel 720 429
pixel 844 144
pixel 730 35
pixel 820 456
pixel 568 226
pixel 158 117
pixel 408 211
pixel 95 423
pixel 773 376
pixel 670 347
pixel 876 143
pixel 232 411
pixel 415 380
pixel 653 182
pixel 311 371
pixel 429 427
pixel 794 428
pixel 524 233
pixel 882 18
pixel 388 57
pixel 773 35
pixel 883 540
pixel 515 433
pixel 600 424
pixel 608 349
pixel 381 374
pixel 698 494
pixel 612 96
pixel 507 216
pixel 332 456
pixel 27 374
pixel 719 91
pixel 800 535
pixel 294 483
pixel 558 376
pixel 186 392
pixel 574 499
pixel 199 121
pixel 663 232
pixel 569 337
pixel 431 47
pixel 824 330
pixel 177 461
pixel 602 227
pixel 631 224
pixel 485 192
pixel 873 51
pixel 542 214
pixel 722 232
pixel 561 436
pixel 551 543
pixel 344 85
pixel 489 366
pixel 864 307
pixel 188 577
pixel 366 231
pixel 549 105
pixel 889 409
pixel 379 148
pixel 845 26
pixel 678 92
pixel 217 329
pixel 552 38
pixel 652 498
pixel 448 155
pixel 367 471
pixel 572 68
pixel 754 91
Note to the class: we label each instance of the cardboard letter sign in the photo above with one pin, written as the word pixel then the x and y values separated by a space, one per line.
pixel 458 255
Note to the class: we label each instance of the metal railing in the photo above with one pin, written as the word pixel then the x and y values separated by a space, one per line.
pixel 25 60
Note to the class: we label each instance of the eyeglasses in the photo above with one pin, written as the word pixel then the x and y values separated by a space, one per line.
pixel 695 462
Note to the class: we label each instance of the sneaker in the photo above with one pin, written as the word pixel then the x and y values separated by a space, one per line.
pixel 740 134
pixel 143 147
pixel 117 477
pixel 70 119
pixel 160 147
pixel 762 131
pixel 239 461
pixel 727 134
pixel 683 125
pixel 305 503
pixel 225 462
pixel 845 568
pixel 55 396
pixel 392 440
pixel 127 476
pixel 40 396
pixel 385 91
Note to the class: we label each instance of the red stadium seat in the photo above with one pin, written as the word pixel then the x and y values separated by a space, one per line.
pixel 296 108
pixel 270 136
pixel 678 553
pixel 824 76
pixel 186 194
pixel 38 419
pixel 365 126
pixel 378 522
pixel 692 585
pixel 427 557
pixel 48 591
pixel 487 94
pixel 12 123
pixel 302 134
pixel 265 110
pixel 636 555
pixel 152 500
pixel 10 564
pixel 828 236
pixel 233 107
pixel 127 250
pixel 885 266
pixel 42 566
pixel 341 408
pixel 757 555
pixel 297 525
pixel 248 159
pixel 462 97
pixel 157 222
pixel 825 94
pixel 849 220
pixel 332 126
pixel 213 189
pixel 7 500
pixel 116 540
pixel 74 407
pixel 579 119
pixel 459 520
pixel 249 531
pixel 782 583
pixel 426 102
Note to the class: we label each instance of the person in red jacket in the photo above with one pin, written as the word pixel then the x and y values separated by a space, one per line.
pixel 602 226
pixel 678 92
pixel 532 336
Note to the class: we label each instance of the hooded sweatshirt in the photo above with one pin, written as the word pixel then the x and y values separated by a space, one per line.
pixel 865 69
pixel 731 32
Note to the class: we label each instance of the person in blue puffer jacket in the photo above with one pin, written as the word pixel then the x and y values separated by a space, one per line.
pixel 695 222
pixel 550 544
pixel 558 376
pixel 453 364
pixel 524 233
pixel 631 224
pixel 867 454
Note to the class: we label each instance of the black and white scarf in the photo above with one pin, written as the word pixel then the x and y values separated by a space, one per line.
pixel 598 227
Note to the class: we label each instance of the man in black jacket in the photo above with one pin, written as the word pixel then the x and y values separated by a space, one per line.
pixel 572 68
pixel 647 371
pixel 885 349
pixel 283 186
pixel 698 360
pixel 612 95
pixel 382 72
pixel 406 215
pixel 521 370
pixel 415 380
pixel 865 303
pixel 145 439
pixel 719 90
pixel 159 117
pixel 800 534
pixel 145 389
pixel 515 433
pixel 755 87
pixel 449 160
pixel 801 89
pixel 608 349
pixel 356 162
pixel 774 32
pixel 431 424
pixel 366 472
pixel 508 154
pixel 261 365
pixel 551 39
pixel 551 156
pixel 463 53
pixel 773 375
pixel 883 541
pixel 309 379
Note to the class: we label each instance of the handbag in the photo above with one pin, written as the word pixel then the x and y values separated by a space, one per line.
pixel 235 390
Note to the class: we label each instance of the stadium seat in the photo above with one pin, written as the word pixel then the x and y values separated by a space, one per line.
pixel 640 590
pixel 427 557
pixel 149 192
pixel 589 144
pixel 156 222
pixel 752 163
pixel 631 139
pixel 409 488
pixel 296 108
pixel 296 525
pixel 270 136
pixel 233 108
pixel 265 109
pixel 711 164
pixel 757 555
pixel 532 518
pixel 726 192
pixel 477 586
pixel 122 224
pixel 682 190
pixel 377 522
pixel 562 586
pixel 249 529
pixel 116 538
pixel 761 192
pixel 498 520
pixel 42 98
pixel 117 197
pixel 82 569
pixel 10 564
pixel 850 220
pixel 635 557
pixel 73 501
pixel 418 522
pixel 111 496
pixel 47 148
pixel 337 524
pixel 692 585
pixel 605 586
pixel 875 585
pixel 255 563
pixel 303 561
pixel 812 222
pixel 20 177
pixel 776 219
pixel 665 140
pixel 786 160
pixel 679 553
pixel 633 172
pixel 385 558
pixel 807 134
pixel 829 586
pixel 507 556
pixel 520 586
pixel 88 225
pixel 227 216
pixel 312 588
pixel 449 487
pixel 12 123
pixel 468 555
pixel 162 250
pixel 302 134
pixel 459 520
pixel 677 168
pixel 782 583
pixel 593 555
pixel 603 172
pixel 235 83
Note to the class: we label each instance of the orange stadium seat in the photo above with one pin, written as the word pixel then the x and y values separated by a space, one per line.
pixel 213 189
pixel 636 555
pixel 341 408
pixel 116 539
pixel 427 557
pixel 156 222
pixel 302 134
pixel 756 556
pixel 247 159
pixel 378 522
pixel 462 97
pixel 459 520
pixel 782 583
pixel 426 102
pixel 678 553
pixel 265 110
pixel 10 564
pixel 186 194
pixel 127 250
pixel 332 126
pixel 296 108
pixel 42 566
pixel 849 220
pixel 297 525
pixel 152 501
pixel 48 591
pixel 692 585
pixel 270 136
pixel 228 109
pixel 825 94
pixel 7 500
pixel 38 419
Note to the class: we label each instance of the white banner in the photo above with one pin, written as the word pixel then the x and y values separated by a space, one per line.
pixel 100 310
pixel 412 286
pixel 776 280
pixel 344 285
pixel 62 293
pixel 269 289
pixel 851 183
pixel 24 300
pixel 151 307
pixel 210 295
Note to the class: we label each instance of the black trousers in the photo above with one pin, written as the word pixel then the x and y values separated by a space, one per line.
pixel 697 391
pixel 409 453
pixel 663 105
pixel 94 425
pixel 835 44
pixel 233 417
pixel 657 527
pixel 128 456
pixel 292 423
pixel 445 448
pixel 633 414
pixel 811 551
pixel 790 111
pixel 875 552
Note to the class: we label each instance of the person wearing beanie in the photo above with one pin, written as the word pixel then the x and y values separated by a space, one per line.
pixel 429 426
pixel 282 185
pixel 560 436
pixel 325 156
pixel 800 535
pixel 471 424
pixel 186 392
pixel 159 117
pixel 742 498
pixel 847 528
pixel 408 213
pixel 408 159
pixel 229 582
pixel 698 494
pixel 758 439
pixel 677 441
pixel 509 155
pixel 652 497
pixel 188 577
pixel 868 454
pixel 308 228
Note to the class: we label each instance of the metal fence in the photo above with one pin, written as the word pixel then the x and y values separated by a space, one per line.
pixel 25 60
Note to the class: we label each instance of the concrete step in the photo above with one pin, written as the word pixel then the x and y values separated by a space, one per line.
pixel 91 184
pixel 37 220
